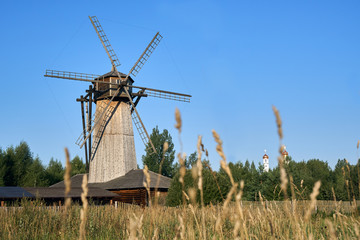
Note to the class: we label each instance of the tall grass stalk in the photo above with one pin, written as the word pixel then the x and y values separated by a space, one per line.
pixel 83 211
pixel 67 180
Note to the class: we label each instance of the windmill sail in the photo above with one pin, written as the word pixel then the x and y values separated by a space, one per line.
pixel 71 75
pixel 142 132
pixel 139 124
pixel 81 141
pixel 146 54
pixel 169 96
pixel 103 122
pixel 105 42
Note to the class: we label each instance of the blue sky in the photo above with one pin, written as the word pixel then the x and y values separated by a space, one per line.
pixel 236 58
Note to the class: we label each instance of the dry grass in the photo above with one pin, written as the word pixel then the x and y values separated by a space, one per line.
pixel 67 180
pixel 83 211
pixel 257 221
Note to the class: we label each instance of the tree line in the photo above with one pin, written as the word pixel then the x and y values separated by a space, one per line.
pixel 18 167
pixel 340 183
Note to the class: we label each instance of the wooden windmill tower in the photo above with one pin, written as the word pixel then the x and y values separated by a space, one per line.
pixel 108 136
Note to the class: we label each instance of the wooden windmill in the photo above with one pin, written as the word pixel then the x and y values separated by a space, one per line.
pixel 108 136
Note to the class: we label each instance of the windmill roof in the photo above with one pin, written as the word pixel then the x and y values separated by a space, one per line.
pixel 14 192
pixel 131 180
pixel 113 74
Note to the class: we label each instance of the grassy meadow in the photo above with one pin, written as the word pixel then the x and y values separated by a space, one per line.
pixel 259 220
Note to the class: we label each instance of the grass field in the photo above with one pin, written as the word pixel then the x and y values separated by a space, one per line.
pixel 256 220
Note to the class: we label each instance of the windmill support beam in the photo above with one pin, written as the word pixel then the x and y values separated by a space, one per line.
pixel 136 101
pixel 89 119
pixel 139 119
pixel 84 130
pixel 139 95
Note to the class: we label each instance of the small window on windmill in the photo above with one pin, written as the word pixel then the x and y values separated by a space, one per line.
pixel 129 82
pixel 113 87
pixel 102 86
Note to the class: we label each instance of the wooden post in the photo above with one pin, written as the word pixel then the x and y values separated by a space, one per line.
pixel 84 129
pixel 2 203
pixel 111 202
pixel 89 120
pixel 59 203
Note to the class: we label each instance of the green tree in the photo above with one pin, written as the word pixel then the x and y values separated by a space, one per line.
pixel 191 160
pixel 269 183
pixel 320 170
pixel 35 175
pixel 339 179
pixel 23 160
pixel 8 167
pixel 154 160
pixel 54 171
pixel 210 188
pixel 77 166
pixel 1 167
pixel 302 179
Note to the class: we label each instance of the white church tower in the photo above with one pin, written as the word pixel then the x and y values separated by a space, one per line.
pixel 285 155
pixel 266 162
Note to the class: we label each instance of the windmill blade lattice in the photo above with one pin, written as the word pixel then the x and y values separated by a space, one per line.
pixel 105 42
pixel 81 140
pixel 71 75
pixel 146 54
pixel 99 133
pixel 139 124
pixel 168 96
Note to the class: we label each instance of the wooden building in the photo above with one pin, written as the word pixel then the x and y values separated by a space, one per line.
pixel 57 195
pixel 128 188
pixel 12 194
pixel 9 195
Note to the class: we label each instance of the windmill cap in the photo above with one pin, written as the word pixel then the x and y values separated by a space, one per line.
pixel 113 74
pixel 265 156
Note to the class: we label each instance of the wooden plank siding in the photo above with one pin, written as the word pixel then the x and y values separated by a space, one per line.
pixel 132 196
pixel 138 196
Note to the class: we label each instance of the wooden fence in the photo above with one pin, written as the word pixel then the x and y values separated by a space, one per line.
pixel 300 206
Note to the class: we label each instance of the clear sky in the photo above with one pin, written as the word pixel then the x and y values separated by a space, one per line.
pixel 236 58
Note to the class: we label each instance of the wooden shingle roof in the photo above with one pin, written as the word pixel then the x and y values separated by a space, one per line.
pixel 75 192
pixel 14 192
pixel 76 182
pixel 135 179
pixel 132 180
pixel 113 74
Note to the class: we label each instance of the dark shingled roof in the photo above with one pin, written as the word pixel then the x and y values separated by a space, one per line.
pixel 113 74
pixel 75 192
pixel 76 181
pixel 133 179
pixel 14 192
